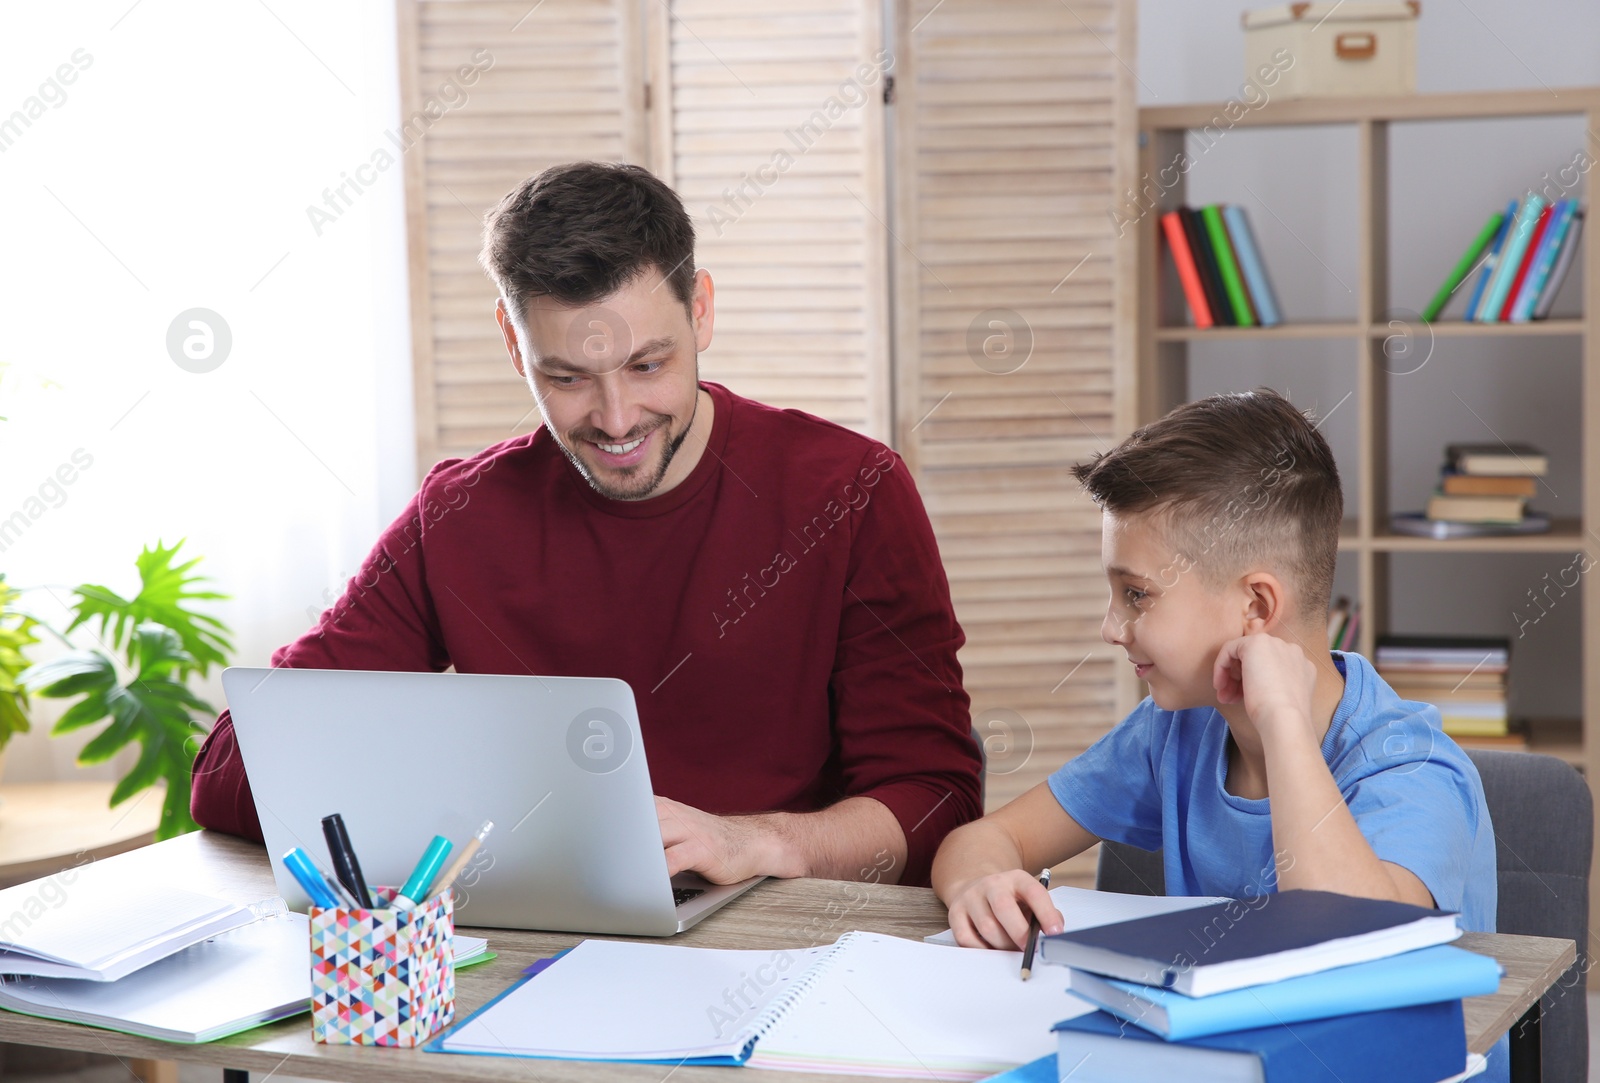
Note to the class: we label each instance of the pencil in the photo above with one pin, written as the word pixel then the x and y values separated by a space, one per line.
pixel 456 867
pixel 1033 931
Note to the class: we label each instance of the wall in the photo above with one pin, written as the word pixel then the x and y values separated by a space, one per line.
pixel 1298 187
pixel 175 172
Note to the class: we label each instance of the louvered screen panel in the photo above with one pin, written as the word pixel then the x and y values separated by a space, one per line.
pixel 1012 128
pixel 565 81
pixel 770 130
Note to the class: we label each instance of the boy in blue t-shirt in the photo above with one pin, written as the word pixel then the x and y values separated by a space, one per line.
pixel 1219 535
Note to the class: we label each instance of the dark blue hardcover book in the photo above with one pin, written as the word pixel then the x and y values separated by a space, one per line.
pixel 1240 943
pixel 1420 1044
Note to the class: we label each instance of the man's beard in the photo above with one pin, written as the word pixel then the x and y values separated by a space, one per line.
pixel 639 485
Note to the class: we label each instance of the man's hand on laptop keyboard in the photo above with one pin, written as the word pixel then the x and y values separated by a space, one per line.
pixel 723 849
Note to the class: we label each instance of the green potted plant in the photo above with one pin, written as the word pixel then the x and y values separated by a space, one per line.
pixel 138 683
pixel 16 636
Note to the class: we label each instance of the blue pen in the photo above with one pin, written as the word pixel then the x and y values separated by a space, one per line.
pixel 432 859
pixel 303 869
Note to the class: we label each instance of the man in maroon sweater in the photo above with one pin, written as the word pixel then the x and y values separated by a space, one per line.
pixel 766 582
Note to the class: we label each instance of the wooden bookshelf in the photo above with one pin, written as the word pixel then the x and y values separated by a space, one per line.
pixel 1163 346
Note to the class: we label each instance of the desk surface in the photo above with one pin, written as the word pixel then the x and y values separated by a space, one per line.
pixel 792 913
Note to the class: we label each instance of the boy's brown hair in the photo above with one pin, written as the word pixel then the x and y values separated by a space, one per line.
pixel 1238 479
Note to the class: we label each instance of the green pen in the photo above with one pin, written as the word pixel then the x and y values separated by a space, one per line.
pixel 432 858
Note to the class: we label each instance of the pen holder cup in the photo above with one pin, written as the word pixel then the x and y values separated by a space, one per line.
pixel 382 976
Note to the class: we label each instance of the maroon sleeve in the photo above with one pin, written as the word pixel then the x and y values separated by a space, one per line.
pixel 384 620
pixel 902 717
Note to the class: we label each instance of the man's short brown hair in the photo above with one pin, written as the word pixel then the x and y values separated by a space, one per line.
pixel 579 232
pixel 1238 479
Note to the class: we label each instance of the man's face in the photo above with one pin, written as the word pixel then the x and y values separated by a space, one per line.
pixel 617 382
pixel 1166 614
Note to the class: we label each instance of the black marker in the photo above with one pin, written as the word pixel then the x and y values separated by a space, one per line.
pixel 345 865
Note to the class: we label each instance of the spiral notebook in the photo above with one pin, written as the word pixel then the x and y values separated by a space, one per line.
pixel 867 1004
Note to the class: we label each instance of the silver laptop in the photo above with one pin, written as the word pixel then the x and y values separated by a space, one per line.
pixel 556 762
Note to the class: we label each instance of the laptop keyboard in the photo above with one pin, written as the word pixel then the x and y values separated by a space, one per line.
pixel 681 895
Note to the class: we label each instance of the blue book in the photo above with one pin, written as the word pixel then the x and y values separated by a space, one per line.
pixel 1235 944
pixel 1417 977
pixel 1255 272
pixel 1491 261
pixel 1421 1044
pixel 1541 260
pixel 1511 256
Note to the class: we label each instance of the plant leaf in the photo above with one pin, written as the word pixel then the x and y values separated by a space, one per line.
pixel 165 597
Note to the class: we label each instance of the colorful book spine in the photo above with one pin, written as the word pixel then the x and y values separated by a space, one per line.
pixel 1511 254
pixel 1255 271
pixel 1188 273
pixel 1558 273
pixel 1542 260
pixel 1540 229
pixel 1458 273
pixel 1238 299
pixel 1206 262
pixel 1490 262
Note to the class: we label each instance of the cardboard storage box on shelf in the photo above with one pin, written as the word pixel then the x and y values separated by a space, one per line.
pixel 1347 49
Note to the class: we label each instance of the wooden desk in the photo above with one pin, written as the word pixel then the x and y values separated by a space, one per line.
pixel 777 914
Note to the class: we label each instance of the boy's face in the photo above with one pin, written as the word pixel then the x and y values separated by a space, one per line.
pixel 1171 619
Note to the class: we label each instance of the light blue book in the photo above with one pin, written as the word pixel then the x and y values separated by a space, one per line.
pixel 1516 246
pixel 1542 259
pixel 1425 976
pixel 1255 272
pixel 1490 262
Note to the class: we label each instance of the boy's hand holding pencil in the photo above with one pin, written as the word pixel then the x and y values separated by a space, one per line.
pixel 994 911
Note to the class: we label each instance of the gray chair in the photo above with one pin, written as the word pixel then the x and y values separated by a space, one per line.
pixel 1544 839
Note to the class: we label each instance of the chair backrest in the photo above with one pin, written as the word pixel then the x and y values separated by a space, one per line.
pixel 1544 841
pixel 1543 820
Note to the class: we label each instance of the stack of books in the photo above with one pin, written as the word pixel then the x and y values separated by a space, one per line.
pixel 1483 489
pixel 1522 256
pixel 1299 985
pixel 1463 676
pixel 1219 266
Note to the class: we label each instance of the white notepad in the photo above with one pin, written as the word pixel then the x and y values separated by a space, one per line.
pixel 91 923
pixel 1082 908
pixel 227 983
pixel 868 1004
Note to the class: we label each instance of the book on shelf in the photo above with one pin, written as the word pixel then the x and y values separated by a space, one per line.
pixel 1452 483
pixel 1498 460
pixel 1491 261
pixel 1220 269
pixel 1188 272
pixel 1458 274
pixel 1514 741
pixel 1522 255
pixel 1477 509
pixel 1563 264
pixel 1257 284
pixel 1217 233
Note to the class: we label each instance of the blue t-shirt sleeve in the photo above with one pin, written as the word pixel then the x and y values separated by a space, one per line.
pixel 1418 803
pixel 1111 788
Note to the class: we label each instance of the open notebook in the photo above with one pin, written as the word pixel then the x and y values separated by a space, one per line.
pixel 230 982
pixel 868 1004
pixel 90 922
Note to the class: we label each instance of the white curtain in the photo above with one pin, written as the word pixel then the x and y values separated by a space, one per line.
pixel 160 157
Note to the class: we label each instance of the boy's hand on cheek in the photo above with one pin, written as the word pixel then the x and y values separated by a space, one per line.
pixel 1274 680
